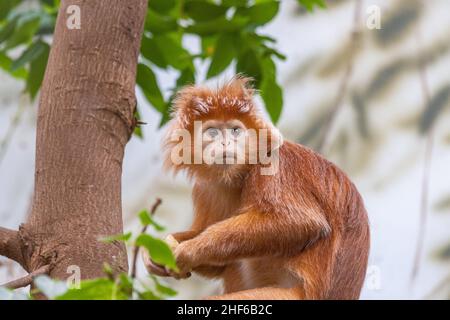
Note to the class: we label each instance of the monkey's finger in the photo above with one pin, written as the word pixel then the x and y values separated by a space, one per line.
pixel 153 267
pixel 157 270
pixel 178 275
pixel 172 242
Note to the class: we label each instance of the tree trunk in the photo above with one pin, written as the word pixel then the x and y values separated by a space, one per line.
pixel 85 119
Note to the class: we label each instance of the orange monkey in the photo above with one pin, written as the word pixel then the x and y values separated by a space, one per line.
pixel 300 232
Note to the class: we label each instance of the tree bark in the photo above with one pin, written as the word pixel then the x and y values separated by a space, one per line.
pixel 10 245
pixel 85 119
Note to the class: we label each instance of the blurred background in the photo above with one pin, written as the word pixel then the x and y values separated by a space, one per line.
pixel 374 101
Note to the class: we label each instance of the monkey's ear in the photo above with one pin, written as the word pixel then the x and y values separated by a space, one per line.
pixel 188 103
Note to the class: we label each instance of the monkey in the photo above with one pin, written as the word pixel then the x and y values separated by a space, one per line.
pixel 297 231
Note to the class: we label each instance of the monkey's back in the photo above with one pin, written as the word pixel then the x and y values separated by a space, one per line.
pixel 348 243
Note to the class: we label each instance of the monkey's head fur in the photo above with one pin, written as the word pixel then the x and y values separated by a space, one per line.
pixel 226 115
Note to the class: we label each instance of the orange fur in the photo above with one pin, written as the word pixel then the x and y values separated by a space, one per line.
pixel 299 234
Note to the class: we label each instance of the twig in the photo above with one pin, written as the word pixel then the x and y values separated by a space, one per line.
pixel 28 279
pixel 429 145
pixel 144 229
pixel 345 79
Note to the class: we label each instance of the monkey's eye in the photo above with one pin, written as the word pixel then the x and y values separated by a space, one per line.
pixel 236 131
pixel 212 132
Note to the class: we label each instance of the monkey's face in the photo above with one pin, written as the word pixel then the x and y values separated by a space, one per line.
pixel 223 143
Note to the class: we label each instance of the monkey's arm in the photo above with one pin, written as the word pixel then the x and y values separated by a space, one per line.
pixel 252 234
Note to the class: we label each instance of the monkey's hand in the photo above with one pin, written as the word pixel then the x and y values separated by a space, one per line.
pixel 172 242
pixel 155 268
pixel 184 262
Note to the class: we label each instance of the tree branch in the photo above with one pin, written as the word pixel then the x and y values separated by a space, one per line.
pixel 28 279
pixel 10 245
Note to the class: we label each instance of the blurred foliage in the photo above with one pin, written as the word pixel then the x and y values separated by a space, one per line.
pixel 398 22
pixel 398 25
pixel 310 4
pixel 437 104
pixel 444 253
pixel 228 31
pixel 443 204
pixel 354 142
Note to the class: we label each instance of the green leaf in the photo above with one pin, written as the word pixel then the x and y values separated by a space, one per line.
pixel 146 219
pixel 187 76
pixel 263 38
pixel 159 251
pixel 162 6
pixel 165 115
pixel 217 25
pixel 138 132
pixel 146 80
pixel 262 13
pixel 49 3
pixel 47 24
pixel 200 10
pixel 162 289
pixel 7 30
pixel 173 52
pixel 118 237
pixel 310 4
pixel 151 51
pixel 271 92
pixel 249 64
pixel 6 6
pixel 125 284
pixel 26 27
pixel 138 129
pixel 434 108
pixel 224 53
pixel 5 64
pixel 208 45
pixel 234 3
pixel 159 24
pixel 166 290
pixel 108 270
pixel 31 53
pixel 148 295
pixel 37 71
pixel 96 289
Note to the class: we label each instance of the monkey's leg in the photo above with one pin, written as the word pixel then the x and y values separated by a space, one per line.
pixel 266 293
